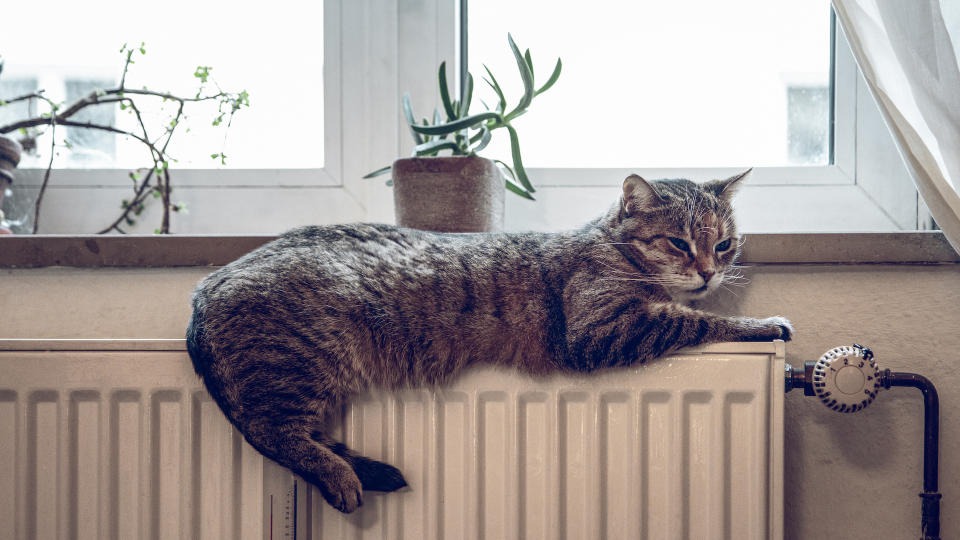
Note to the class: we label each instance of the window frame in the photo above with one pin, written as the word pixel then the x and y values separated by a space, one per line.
pixel 373 50
pixel 848 178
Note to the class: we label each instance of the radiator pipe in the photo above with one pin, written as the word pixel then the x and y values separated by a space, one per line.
pixel 930 498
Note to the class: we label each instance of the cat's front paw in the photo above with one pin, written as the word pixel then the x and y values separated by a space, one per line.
pixel 781 325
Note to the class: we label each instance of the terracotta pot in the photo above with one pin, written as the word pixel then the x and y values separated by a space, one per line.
pixel 448 194
pixel 10 151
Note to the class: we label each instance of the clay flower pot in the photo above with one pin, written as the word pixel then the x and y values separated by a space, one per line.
pixel 10 151
pixel 448 194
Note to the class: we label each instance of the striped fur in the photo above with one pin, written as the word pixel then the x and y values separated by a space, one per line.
pixel 286 334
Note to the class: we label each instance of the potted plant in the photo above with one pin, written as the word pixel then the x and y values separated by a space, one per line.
pixel 461 191
pixel 147 183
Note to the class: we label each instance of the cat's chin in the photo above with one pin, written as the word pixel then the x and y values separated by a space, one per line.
pixel 685 296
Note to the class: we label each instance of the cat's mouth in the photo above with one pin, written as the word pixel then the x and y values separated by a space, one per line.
pixel 699 290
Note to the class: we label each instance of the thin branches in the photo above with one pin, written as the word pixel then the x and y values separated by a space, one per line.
pixel 147 182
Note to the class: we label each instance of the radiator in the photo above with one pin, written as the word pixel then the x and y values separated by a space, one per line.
pixel 118 439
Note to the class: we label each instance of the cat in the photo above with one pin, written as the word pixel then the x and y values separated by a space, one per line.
pixel 283 336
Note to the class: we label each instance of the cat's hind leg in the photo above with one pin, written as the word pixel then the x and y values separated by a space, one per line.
pixel 374 475
pixel 292 446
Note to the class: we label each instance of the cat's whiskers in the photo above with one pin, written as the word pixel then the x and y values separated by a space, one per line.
pixel 657 280
pixel 735 281
pixel 729 290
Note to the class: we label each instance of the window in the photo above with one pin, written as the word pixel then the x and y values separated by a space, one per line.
pixel 290 136
pixel 325 87
pixel 697 89
pixel 276 57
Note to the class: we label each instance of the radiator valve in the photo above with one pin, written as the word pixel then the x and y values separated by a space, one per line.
pixel 845 379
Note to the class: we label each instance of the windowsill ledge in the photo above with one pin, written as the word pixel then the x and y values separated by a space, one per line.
pixel 149 251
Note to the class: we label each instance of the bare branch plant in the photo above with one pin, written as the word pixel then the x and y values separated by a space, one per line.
pixel 147 182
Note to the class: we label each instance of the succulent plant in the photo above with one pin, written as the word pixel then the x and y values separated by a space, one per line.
pixel 462 133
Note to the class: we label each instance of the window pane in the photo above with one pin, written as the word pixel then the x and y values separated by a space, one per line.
pixel 697 83
pixel 275 54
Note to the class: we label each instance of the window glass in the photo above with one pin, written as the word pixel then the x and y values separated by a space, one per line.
pixel 273 52
pixel 694 83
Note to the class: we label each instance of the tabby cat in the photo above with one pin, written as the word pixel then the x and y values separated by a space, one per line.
pixel 287 333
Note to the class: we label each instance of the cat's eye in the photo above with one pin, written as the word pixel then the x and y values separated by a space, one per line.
pixel 723 246
pixel 682 245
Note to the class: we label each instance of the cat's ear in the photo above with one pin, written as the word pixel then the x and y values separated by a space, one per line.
pixel 727 188
pixel 638 193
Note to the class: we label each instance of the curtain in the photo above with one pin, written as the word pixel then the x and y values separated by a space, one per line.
pixel 904 49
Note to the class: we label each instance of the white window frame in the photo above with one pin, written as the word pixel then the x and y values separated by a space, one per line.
pixel 866 188
pixel 373 50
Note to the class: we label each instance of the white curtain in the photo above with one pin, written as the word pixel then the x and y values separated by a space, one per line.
pixel 905 51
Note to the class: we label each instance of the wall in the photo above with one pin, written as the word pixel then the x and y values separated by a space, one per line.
pixel 847 476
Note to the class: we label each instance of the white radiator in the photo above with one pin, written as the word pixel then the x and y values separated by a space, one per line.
pixel 118 439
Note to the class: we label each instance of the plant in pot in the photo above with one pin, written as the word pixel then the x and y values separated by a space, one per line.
pixel 461 191
pixel 153 128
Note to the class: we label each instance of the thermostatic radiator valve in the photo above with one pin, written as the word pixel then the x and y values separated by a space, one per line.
pixel 847 379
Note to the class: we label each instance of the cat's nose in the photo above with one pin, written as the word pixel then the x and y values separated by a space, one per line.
pixel 706 275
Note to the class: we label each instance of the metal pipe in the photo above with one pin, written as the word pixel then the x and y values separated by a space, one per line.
pixel 930 498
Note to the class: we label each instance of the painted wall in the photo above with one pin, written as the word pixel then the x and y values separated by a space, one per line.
pixel 847 476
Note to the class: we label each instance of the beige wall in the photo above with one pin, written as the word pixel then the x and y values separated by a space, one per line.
pixel 847 476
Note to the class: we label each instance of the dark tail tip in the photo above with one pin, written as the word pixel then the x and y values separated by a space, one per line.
pixel 377 476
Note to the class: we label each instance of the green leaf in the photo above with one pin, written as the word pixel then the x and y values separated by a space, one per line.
pixel 529 59
pixel 511 183
pixel 518 161
pixel 411 121
pixel 445 93
pixel 496 88
pixel 518 190
pixel 467 95
pixel 553 78
pixel 457 125
pixel 426 123
pixel 525 75
pixel 378 172
pixel 437 120
pixel 432 147
pixel 202 73
pixel 483 136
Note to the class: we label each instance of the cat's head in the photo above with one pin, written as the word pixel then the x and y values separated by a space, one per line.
pixel 681 234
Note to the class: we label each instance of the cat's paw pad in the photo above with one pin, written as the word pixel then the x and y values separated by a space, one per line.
pixel 781 324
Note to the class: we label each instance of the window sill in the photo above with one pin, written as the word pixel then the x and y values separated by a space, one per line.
pixel 149 251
